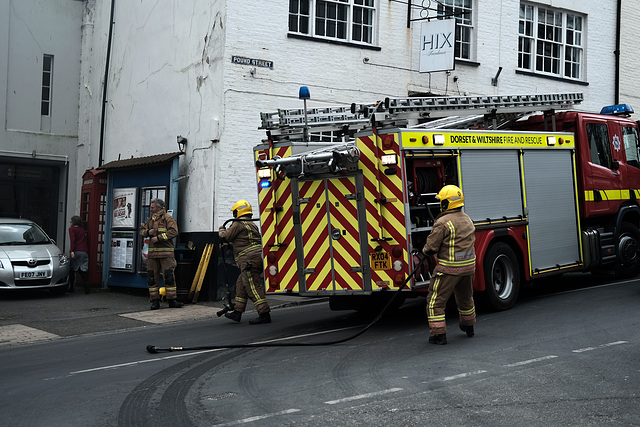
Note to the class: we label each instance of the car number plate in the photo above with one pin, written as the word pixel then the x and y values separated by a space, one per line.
pixel 34 275
pixel 380 261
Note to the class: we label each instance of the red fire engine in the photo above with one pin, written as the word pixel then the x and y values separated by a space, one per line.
pixel 347 193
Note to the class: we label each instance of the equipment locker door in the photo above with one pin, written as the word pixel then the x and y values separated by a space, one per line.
pixel 329 234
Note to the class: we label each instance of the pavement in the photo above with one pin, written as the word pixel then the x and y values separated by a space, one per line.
pixel 28 317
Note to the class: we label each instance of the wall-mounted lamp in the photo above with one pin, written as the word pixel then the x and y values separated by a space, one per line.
pixel 182 143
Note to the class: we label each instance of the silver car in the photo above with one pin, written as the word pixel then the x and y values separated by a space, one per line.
pixel 29 259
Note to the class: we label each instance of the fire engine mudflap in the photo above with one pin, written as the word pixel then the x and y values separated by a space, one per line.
pixel 345 219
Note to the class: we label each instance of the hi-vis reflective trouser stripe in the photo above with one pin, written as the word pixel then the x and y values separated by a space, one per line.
pixel 276 223
pixel 435 311
pixel 590 195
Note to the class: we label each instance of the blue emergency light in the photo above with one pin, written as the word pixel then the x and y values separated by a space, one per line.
pixel 618 109
pixel 265 183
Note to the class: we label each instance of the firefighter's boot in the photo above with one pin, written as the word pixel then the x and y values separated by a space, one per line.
pixel 234 315
pixel 440 339
pixel 468 329
pixel 263 318
pixel 155 304
pixel 174 303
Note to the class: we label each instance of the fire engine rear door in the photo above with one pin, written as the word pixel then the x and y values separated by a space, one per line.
pixel 554 238
pixel 327 230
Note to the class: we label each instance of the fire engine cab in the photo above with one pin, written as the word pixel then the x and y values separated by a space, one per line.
pixel 347 194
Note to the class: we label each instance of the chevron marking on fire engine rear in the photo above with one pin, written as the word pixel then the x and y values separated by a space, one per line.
pixel 346 249
pixel 277 228
pixel 315 237
pixel 384 220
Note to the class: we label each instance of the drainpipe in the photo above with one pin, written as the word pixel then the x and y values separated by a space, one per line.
pixel 617 52
pixel 104 86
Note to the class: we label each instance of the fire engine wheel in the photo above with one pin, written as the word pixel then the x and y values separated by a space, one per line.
pixel 501 277
pixel 628 264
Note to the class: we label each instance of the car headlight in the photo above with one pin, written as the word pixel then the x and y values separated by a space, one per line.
pixel 64 260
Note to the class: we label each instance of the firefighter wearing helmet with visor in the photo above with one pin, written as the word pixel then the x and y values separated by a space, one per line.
pixel 244 236
pixel 451 240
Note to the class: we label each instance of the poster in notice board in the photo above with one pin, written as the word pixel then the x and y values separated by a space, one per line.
pixel 124 207
pixel 122 245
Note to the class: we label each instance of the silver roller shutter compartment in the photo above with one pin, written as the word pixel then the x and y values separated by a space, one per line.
pixel 491 184
pixel 553 224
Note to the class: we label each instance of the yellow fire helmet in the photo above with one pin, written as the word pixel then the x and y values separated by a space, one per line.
pixel 241 208
pixel 450 197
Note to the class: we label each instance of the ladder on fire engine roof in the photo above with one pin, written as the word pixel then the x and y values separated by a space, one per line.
pixel 442 112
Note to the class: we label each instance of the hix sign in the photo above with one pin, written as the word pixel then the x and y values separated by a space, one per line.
pixel 437 41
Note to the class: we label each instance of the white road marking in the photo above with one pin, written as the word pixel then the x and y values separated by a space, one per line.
pixel 259 417
pixel 526 362
pixel 466 374
pixel 191 353
pixel 363 396
pixel 582 350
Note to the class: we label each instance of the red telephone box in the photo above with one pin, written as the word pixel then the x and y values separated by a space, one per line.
pixel 92 211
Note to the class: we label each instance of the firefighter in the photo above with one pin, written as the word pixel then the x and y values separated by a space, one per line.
pixel 245 238
pixel 161 229
pixel 452 240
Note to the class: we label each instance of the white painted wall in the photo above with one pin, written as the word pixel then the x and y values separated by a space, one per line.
pixel 29 29
pixel 171 74
pixel 630 57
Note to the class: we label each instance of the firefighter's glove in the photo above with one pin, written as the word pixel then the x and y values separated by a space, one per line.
pixel 427 252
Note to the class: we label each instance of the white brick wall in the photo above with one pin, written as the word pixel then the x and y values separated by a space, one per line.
pixel 171 74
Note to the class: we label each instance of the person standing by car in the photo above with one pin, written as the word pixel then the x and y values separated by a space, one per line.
pixel 79 252
pixel 247 251
pixel 161 228
pixel 452 239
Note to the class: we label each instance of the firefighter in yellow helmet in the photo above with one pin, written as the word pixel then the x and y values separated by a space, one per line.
pixel 452 240
pixel 245 238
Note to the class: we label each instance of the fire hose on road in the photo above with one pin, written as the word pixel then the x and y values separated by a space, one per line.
pixel 153 349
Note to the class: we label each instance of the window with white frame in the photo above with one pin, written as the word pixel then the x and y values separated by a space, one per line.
pixel 343 20
pixel 550 41
pixel 462 10
pixel 47 80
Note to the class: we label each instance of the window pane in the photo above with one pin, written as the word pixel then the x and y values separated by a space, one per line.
pixel 630 138
pixel 46 62
pixel 598 137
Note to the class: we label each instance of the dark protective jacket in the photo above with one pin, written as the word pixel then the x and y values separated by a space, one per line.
pixel 166 230
pixel 244 235
pixel 452 239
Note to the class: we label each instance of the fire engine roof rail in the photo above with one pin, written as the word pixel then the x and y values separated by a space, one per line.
pixel 289 124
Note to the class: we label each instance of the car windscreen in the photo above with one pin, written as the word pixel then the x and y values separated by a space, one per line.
pixel 22 234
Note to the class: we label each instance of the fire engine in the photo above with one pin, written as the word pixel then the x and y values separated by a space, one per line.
pixel 346 193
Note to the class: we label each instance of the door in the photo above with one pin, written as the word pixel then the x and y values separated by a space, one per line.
pixel 602 191
pixel 328 234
